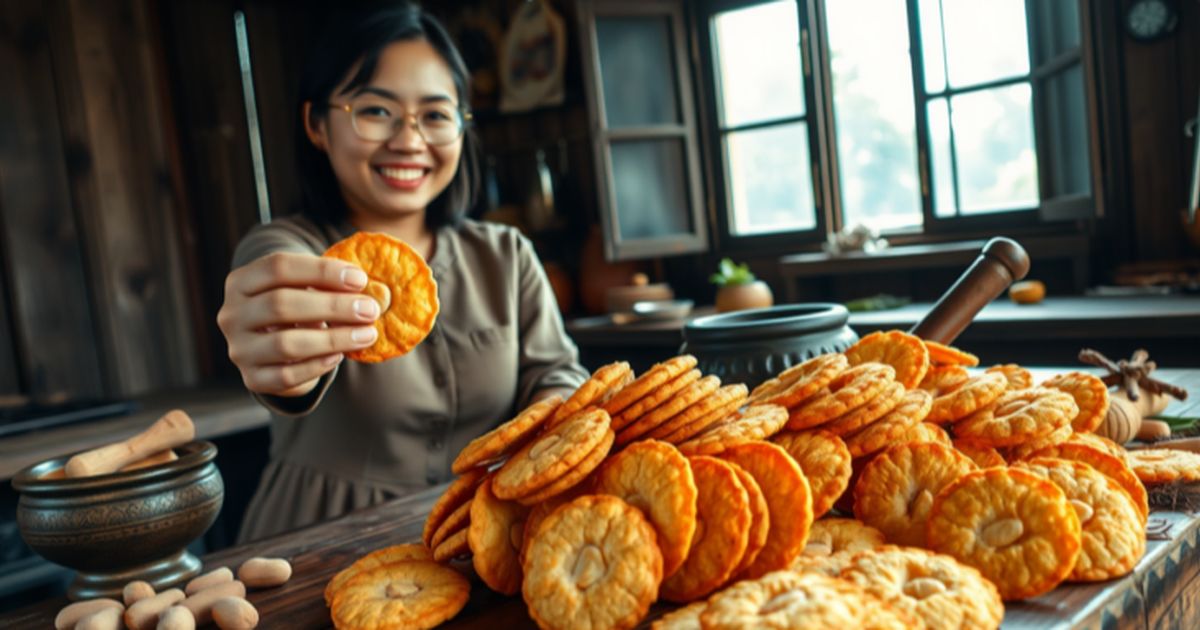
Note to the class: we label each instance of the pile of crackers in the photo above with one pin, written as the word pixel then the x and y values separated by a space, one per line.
pixel 967 487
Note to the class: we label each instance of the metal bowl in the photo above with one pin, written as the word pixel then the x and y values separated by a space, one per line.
pixel 662 309
pixel 123 526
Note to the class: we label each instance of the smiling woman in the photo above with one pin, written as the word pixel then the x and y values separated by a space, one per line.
pixel 386 147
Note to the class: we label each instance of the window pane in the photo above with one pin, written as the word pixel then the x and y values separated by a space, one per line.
pixel 994 150
pixel 1056 25
pixel 757 52
pixel 944 203
pixel 770 184
pixel 985 40
pixel 873 110
pixel 931 46
pixel 1066 127
pixel 651 188
pixel 637 71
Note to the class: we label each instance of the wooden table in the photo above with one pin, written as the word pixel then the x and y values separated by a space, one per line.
pixel 1163 590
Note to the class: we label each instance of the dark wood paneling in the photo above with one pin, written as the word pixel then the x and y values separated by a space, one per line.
pixel 51 296
pixel 10 377
pixel 1161 85
pixel 117 168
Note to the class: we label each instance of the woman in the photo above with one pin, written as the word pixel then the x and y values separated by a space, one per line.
pixel 386 148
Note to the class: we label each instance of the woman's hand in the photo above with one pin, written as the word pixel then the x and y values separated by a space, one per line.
pixel 288 318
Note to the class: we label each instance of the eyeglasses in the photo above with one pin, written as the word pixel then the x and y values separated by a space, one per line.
pixel 377 119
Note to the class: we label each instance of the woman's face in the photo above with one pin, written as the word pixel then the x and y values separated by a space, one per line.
pixel 400 175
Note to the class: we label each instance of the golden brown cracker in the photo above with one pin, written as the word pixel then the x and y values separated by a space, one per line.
pixel 413 594
pixel 756 422
pixel 1111 466
pixel 593 563
pixel 799 382
pixel 495 537
pixel 943 379
pixel 1090 394
pixel 1017 528
pixel 1017 376
pixel 721 534
pixel 402 284
pixel 875 436
pixel 942 354
pixel 934 588
pixel 550 455
pixel 600 386
pixel 825 461
pixel 727 397
pixel 652 400
pixel 495 444
pixel 896 490
pixel 1114 537
pixel 841 535
pixel 850 390
pixel 874 409
pixel 458 492
pixel 975 394
pixel 789 503
pixel 1018 416
pixel 906 353
pixel 573 477
pixel 760 519
pixel 686 397
pixel 655 478
pixel 657 376
pixel 373 560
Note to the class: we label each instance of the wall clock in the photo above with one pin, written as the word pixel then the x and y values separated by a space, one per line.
pixel 1150 20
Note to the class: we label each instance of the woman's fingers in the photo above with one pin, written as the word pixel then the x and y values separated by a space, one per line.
pixel 293 379
pixel 295 345
pixel 284 269
pixel 300 306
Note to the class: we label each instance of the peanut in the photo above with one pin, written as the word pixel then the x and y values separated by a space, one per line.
pixel 921 588
pixel 136 591
pixel 176 618
pixel 1084 510
pixel 212 578
pixel 107 619
pixel 70 615
pixel 144 614
pixel 201 603
pixel 262 572
pixel 1003 532
pixel 234 613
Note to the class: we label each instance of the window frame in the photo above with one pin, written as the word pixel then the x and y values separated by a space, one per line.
pixel 1053 214
pixel 615 247
pixel 714 136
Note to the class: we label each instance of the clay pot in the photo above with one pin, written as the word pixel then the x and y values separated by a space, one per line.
pixel 739 297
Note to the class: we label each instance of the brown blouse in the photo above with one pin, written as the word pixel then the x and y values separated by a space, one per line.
pixel 370 432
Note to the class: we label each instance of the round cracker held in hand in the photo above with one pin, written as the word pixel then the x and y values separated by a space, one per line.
pixel 402 284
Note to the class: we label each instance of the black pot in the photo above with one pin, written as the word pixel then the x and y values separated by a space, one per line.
pixel 754 345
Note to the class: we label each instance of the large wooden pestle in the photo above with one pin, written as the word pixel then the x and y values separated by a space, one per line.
pixel 170 431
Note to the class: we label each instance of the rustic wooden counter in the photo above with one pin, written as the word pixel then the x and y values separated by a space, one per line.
pixel 1162 592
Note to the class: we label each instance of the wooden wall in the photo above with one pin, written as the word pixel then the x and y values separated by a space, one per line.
pixel 95 280
pixel 1161 86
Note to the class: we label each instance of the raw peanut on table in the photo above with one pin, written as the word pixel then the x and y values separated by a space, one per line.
pixel 234 613
pixel 210 579
pixel 176 618
pixel 136 591
pixel 71 614
pixel 144 614
pixel 262 572
pixel 107 619
pixel 201 603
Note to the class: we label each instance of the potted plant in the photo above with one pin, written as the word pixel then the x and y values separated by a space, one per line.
pixel 738 288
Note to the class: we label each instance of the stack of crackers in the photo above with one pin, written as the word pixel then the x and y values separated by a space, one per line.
pixel 967 487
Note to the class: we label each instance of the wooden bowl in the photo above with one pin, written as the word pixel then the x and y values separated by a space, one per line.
pixel 125 526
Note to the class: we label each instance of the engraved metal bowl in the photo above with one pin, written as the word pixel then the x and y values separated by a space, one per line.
pixel 753 345
pixel 115 528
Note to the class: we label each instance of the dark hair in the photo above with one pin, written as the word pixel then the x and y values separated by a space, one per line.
pixel 357 36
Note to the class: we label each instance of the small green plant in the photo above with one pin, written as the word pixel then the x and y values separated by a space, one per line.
pixel 730 274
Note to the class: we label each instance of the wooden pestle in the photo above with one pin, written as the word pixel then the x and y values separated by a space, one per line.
pixel 172 430
pixel 1002 262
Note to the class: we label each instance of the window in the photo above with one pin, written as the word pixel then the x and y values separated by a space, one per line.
pixel 905 115
pixel 644 138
